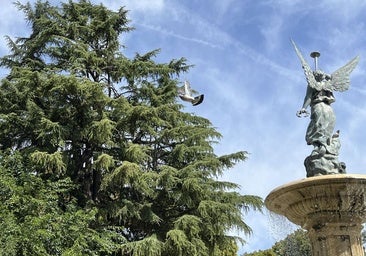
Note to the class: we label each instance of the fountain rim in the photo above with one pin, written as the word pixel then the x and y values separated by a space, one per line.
pixel 320 180
pixel 282 197
pixel 302 205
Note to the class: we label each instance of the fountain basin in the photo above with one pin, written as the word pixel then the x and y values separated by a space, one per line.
pixel 331 207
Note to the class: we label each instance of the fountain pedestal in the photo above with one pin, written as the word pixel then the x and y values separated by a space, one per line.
pixel 331 207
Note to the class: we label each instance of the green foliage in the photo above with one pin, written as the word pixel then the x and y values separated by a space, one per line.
pixel 40 217
pixel 100 159
pixel 295 244
pixel 268 252
pixel 149 246
pixel 48 163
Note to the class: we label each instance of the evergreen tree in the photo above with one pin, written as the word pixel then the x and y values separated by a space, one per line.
pixel 40 217
pixel 268 252
pixel 295 244
pixel 104 149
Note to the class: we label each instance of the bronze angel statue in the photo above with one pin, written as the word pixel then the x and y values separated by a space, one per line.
pixel 320 132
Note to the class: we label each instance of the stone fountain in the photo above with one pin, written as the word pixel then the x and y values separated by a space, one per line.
pixel 331 207
pixel 329 203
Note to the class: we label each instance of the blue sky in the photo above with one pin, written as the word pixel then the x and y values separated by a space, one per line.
pixel 252 79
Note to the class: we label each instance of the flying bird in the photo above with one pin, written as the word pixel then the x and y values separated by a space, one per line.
pixel 185 93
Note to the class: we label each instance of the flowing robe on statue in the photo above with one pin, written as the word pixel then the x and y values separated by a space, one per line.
pixel 322 119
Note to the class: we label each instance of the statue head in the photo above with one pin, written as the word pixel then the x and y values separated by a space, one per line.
pixel 321 75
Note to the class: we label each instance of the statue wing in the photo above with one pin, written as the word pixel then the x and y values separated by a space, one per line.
pixel 340 78
pixel 307 70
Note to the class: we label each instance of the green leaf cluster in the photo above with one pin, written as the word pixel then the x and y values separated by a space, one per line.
pixel 104 160
pixel 40 217
pixel 295 244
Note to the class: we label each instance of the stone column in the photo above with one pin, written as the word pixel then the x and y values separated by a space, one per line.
pixel 340 239
pixel 331 207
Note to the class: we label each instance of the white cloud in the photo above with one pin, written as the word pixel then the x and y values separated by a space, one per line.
pixel 145 6
pixel 171 33
pixel 12 24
